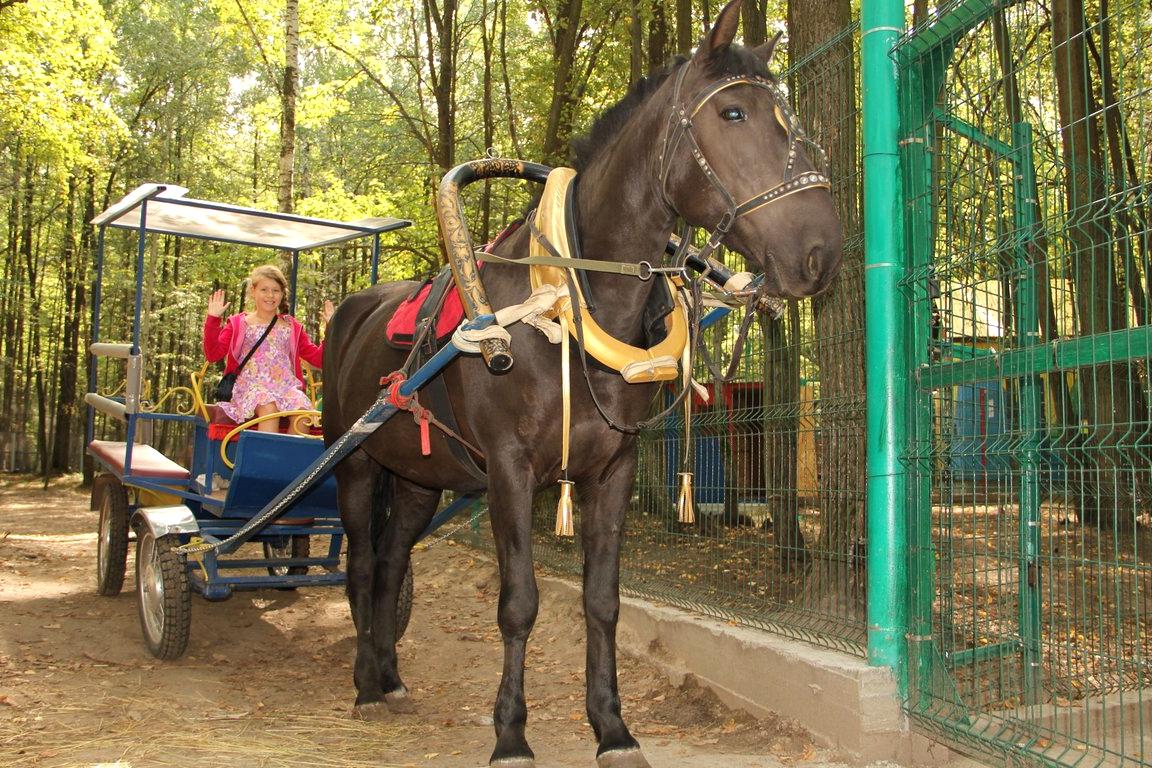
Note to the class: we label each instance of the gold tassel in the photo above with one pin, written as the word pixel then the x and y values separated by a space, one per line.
pixel 685 510
pixel 564 523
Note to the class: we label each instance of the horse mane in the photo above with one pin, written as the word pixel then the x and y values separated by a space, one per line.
pixel 730 60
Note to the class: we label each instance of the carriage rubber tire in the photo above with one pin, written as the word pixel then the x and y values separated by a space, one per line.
pixel 110 498
pixel 301 547
pixel 404 603
pixel 163 594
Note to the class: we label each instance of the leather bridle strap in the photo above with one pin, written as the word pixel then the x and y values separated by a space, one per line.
pixel 680 127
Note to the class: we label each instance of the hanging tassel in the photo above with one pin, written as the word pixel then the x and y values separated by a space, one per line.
pixel 685 510
pixel 564 521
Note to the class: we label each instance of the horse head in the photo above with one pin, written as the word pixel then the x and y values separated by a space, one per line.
pixel 735 161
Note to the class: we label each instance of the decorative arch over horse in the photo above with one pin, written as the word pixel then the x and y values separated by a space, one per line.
pixel 709 141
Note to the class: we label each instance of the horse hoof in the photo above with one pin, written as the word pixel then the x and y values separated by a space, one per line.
pixel 622 758
pixel 513 762
pixel 399 702
pixel 373 710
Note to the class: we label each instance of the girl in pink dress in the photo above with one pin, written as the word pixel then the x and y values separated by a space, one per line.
pixel 272 379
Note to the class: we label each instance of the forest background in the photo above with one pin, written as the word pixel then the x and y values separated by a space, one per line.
pixel 327 108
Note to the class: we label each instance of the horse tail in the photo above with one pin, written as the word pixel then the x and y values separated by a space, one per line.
pixel 381 507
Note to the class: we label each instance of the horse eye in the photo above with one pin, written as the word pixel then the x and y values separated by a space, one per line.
pixel 733 114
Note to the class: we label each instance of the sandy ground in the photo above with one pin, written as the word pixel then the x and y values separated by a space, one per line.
pixel 267 679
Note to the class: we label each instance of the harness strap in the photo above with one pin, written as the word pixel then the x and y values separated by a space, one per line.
pixel 421 415
pixel 531 312
pixel 643 270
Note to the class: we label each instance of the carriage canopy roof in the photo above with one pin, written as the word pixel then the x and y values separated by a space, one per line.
pixel 169 212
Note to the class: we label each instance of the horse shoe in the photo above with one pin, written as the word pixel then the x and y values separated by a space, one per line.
pixel 399 702
pixel 371 711
pixel 622 758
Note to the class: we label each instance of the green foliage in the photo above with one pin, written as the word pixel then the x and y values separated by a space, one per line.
pixel 58 56
pixel 96 99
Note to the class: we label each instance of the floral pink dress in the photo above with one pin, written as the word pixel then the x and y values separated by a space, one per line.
pixel 268 377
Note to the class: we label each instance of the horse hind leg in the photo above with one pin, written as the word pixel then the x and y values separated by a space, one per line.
pixel 412 508
pixel 365 494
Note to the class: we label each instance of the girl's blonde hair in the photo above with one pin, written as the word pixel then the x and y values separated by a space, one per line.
pixel 273 273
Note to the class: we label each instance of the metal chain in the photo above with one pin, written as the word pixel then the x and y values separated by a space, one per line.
pixel 432 541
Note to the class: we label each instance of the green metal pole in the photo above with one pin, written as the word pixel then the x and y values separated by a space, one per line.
pixel 1031 411
pixel 882 22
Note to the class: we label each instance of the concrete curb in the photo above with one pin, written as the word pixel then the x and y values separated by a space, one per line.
pixel 847 705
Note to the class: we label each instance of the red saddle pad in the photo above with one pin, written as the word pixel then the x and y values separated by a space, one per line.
pixel 402 326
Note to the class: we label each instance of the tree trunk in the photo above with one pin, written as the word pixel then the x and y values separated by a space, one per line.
pixel 66 421
pixel 1056 386
pixel 440 26
pixel 32 362
pixel 1106 391
pixel 657 36
pixel 1133 230
pixel 636 43
pixel 9 340
pixel 781 434
pixel 826 103
pixel 487 39
pixel 288 90
pixel 685 37
pixel 564 44
pixel 754 19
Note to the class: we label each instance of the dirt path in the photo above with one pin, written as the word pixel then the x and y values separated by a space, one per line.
pixel 267 679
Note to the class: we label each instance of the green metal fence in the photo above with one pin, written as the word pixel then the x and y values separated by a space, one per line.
pixel 1026 156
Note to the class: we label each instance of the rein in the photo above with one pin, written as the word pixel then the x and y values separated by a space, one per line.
pixel 679 128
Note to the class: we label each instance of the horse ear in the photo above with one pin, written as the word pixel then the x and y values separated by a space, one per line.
pixel 722 34
pixel 768 49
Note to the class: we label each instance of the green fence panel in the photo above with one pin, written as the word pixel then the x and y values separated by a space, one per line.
pixel 1026 164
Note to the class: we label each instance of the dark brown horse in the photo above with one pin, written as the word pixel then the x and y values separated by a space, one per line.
pixel 638 174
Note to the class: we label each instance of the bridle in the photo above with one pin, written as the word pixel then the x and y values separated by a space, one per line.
pixel 680 127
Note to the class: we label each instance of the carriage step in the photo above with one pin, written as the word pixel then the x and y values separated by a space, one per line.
pixel 146 460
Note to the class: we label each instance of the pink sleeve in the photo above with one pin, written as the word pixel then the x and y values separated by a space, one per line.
pixel 217 338
pixel 312 353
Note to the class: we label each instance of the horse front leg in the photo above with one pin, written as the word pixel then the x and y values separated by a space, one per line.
pixel 510 494
pixel 602 508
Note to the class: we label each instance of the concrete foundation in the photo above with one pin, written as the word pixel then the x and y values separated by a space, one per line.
pixel 846 704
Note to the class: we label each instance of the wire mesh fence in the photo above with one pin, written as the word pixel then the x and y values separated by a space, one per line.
pixel 1026 157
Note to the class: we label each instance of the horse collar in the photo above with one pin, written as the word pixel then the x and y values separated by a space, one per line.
pixel 635 364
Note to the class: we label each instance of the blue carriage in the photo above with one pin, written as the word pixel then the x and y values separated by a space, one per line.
pixel 232 472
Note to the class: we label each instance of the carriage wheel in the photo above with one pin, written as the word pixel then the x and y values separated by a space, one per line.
pixel 286 547
pixel 111 499
pixel 404 603
pixel 164 595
